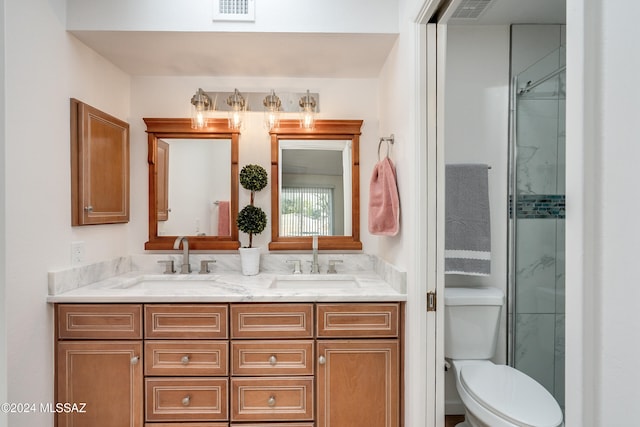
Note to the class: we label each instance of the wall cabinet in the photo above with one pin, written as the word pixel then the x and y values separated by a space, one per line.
pixel 232 365
pixel 99 166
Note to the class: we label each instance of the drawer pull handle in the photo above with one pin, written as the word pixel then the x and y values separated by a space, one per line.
pixel 135 360
pixel 322 360
pixel 185 360
pixel 272 401
pixel 273 360
pixel 186 400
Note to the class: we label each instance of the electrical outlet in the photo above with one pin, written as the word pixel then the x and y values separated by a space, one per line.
pixel 77 253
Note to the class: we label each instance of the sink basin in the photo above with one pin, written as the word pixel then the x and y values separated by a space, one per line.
pixel 169 282
pixel 315 281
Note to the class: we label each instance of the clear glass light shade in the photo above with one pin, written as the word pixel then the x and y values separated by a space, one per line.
pixel 236 119
pixel 272 106
pixel 271 119
pixel 307 119
pixel 201 108
pixel 308 111
pixel 238 106
pixel 199 118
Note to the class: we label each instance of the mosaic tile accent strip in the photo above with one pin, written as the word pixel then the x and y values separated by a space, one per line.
pixel 532 206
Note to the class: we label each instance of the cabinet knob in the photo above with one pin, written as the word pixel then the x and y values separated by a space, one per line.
pixel 185 359
pixel 271 401
pixel 322 360
pixel 88 208
pixel 273 360
pixel 135 360
pixel 186 400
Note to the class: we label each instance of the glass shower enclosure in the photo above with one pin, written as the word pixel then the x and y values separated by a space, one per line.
pixel 537 217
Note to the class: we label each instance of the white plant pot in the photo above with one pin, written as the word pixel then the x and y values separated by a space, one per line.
pixel 250 261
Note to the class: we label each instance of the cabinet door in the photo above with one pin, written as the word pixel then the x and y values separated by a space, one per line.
pixel 105 377
pixel 99 166
pixel 358 383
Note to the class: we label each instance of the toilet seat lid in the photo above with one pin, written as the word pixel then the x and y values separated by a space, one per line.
pixel 511 394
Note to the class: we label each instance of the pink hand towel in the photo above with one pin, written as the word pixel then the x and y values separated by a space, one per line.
pixel 224 226
pixel 384 203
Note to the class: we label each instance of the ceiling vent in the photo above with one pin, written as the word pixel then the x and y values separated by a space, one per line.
pixel 234 10
pixel 470 9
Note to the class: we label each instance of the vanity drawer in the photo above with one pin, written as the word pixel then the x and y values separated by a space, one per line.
pixel 186 358
pixel 269 357
pixel 192 425
pixel 186 399
pixel 272 320
pixel 99 321
pixel 272 399
pixel 357 320
pixel 188 321
pixel 272 425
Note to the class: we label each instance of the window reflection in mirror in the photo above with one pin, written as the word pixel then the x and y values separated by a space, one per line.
pixel 193 184
pixel 315 188
pixel 315 185
pixel 198 183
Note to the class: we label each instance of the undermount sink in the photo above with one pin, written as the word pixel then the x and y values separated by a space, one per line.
pixel 170 282
pixel 315 281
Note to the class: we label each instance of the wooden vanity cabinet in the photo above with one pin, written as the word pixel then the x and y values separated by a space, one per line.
pixel 230 365
pixel 186 363
pixel 271 377
pixel 99 365
pixel 358 365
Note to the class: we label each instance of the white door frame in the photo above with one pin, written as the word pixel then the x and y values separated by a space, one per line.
pixel 430 191
pixel 581 373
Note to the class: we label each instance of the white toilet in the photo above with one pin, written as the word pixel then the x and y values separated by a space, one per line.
pixel 493 395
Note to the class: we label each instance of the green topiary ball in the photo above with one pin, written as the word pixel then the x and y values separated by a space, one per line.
pixel 251 220
pixel 253 177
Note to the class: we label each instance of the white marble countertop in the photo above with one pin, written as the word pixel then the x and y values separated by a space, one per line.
pixel 130 285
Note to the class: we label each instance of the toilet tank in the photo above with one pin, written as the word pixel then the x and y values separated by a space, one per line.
pixel 471 321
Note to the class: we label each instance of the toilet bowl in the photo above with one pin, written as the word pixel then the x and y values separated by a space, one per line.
pixel 493 395
pixel 501 396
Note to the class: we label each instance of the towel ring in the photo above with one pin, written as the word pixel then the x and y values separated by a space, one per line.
pixel 389 140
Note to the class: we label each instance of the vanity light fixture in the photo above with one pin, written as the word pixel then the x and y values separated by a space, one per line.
pixel 272 106
pixel 238 107
pixel 201 107
pixel 308 112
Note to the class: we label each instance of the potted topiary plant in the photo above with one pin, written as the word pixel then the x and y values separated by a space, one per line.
pixel 251 219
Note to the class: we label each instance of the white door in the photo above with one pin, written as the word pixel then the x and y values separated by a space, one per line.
pixel 433 47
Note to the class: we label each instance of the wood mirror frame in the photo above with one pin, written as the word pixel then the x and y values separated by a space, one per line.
pixel 323 130
pixel 172 128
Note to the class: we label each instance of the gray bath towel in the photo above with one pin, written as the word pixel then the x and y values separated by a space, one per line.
pixel 467 247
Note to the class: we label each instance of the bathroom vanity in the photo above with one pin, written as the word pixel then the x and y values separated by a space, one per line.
pixel 230 350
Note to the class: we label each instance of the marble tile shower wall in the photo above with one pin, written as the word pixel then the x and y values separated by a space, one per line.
pixel 540 212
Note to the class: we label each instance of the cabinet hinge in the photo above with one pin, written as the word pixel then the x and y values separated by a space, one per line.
pixel 432 301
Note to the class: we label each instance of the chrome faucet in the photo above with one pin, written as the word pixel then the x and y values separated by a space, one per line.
pixel 185 268
pixel 315 266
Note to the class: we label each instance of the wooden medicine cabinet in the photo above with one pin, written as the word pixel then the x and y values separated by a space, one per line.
pixel 99 166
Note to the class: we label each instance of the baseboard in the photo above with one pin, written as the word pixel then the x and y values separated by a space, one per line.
pixel 453 407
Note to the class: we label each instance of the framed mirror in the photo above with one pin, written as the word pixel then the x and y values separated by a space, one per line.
pixel 315 185
pixel 193 184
